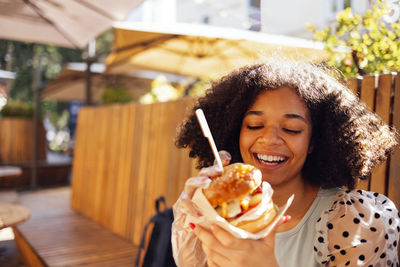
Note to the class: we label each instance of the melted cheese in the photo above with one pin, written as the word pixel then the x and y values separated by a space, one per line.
pixel 233 208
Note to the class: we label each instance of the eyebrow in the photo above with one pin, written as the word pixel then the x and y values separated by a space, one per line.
pixel 289 115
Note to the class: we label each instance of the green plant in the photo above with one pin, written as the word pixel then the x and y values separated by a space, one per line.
pixel 115 95
pixel 199 87
pixel 370 45
pixel 161 91
pixel 16 108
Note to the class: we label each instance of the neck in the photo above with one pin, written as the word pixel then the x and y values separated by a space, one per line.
pixel 304 195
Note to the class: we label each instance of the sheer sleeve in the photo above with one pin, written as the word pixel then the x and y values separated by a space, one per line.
pixel 186 247
pixel 360 229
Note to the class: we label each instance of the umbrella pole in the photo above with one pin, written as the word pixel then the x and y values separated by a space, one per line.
pixel 36 95
pixel 89 62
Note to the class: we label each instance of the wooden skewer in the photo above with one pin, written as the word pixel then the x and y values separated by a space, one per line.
pixel 207 133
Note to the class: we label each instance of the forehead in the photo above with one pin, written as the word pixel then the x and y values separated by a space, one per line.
pixel 280 100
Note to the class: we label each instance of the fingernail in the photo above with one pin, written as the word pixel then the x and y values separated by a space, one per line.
pixel 192 225
pixel 286 218
pixel 199 214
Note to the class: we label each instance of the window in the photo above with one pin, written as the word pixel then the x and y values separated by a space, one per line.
pixel 254 18
pixel 346 4
pixel 255 3
pixel 339 5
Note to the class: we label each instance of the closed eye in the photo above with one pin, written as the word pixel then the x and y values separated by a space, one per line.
pixel 292 131
pixel 254 127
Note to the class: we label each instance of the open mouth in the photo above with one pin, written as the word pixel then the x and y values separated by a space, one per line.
pixel 270 160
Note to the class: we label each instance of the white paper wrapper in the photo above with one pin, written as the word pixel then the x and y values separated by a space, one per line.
pixel 210 216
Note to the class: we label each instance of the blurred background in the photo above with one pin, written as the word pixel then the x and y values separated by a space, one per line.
pixel 130 70
pixel 61 68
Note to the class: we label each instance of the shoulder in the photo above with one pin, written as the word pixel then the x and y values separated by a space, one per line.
pixel 358 224
pixel 363 204
pixel 361 200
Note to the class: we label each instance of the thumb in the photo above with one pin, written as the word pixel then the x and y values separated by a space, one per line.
pixel 225 157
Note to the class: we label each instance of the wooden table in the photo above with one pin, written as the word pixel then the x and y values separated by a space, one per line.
pixel 12 214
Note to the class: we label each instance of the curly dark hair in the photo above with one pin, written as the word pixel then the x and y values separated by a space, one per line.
pixel 348 139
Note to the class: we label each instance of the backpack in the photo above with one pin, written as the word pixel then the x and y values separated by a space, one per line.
pixel 159 250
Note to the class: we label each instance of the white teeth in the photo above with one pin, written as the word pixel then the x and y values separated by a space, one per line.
pixel 270 158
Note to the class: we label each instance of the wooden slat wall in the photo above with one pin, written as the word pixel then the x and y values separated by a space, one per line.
pixel 124 159
pixel 394 173
pixel 393 181
pixel 16 140
pixel 382 108
pixel 382 95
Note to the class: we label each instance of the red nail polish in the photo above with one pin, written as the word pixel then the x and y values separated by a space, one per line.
pixel 285 219
pixel 199 214
pixel 192 225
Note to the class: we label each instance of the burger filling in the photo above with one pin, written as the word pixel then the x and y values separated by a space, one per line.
pixel 233 209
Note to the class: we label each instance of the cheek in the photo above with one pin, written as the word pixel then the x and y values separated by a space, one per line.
pixel 245 141
pixel 242 142
pixel 301 147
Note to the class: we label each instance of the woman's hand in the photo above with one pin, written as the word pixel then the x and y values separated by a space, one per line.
pixel 186 246
pixel 202 180
pixel 224 250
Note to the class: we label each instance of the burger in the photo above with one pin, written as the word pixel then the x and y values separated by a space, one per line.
pixel 241 198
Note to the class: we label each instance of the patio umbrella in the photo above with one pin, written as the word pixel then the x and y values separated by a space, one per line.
pixel 70 83
pixel 67 23
pixel 200 50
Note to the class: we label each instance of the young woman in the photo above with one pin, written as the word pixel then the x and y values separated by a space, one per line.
pixel 309 136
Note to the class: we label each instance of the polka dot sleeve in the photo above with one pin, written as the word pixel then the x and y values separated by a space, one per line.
pixel 360 229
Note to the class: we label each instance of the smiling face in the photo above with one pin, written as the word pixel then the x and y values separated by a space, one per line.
pixel 275 135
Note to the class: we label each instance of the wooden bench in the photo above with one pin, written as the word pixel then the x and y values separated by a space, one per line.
pixel 125 158
pixel 56 235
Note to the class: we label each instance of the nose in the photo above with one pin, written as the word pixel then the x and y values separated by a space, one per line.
pixel 270 136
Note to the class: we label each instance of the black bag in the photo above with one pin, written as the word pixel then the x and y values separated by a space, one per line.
pixel 159 250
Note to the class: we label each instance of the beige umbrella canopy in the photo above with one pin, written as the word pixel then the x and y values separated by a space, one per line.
pixel 200 50
pixel 68 23
pixel 70 83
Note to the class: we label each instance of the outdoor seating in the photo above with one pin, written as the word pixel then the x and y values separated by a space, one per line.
pixel 124 158
pixel 11 213
pixel 56 235
pixel 7 175
pixel 17 153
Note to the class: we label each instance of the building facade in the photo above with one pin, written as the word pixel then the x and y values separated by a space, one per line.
pixel 290 17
